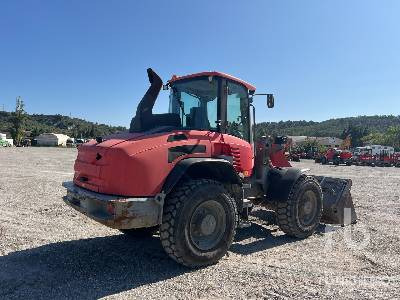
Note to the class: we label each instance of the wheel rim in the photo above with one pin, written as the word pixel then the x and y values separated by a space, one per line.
pixel 207 225
pixel 307 208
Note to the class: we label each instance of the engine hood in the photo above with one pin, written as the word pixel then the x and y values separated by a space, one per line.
pixel 118 138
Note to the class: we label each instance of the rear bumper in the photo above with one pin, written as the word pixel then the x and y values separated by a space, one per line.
pixel 114 211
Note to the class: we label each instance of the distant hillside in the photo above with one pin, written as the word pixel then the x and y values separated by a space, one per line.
pixel 74 127
pixel 332 127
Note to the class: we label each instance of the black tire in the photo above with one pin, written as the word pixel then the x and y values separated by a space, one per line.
pixel 336 161
pixel 324 160
pixel 185 212
pixel 289 213
pixel 141 232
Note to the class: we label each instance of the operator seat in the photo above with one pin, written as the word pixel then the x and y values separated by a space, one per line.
pixel 198 118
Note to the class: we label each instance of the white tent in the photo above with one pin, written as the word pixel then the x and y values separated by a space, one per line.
pixel 52 139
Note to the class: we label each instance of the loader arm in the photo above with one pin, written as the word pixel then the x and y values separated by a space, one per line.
pixel 276 178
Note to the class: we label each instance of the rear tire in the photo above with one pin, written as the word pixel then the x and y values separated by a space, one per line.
pixel 199 223
pixel 300 215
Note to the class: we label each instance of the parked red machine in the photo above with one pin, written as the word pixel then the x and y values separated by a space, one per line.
pixel 363 157
pixel 337 157
pixel 194 173
pixel 384 159
pixel 396 159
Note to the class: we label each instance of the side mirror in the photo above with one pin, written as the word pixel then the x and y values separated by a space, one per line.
pixel 270 100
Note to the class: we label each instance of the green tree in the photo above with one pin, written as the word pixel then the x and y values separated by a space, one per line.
pixel 374 138
pixel 310 145
pixel 18 121
pixel 94 131
pixel 392 136
pixel 356 133
pixel 36 131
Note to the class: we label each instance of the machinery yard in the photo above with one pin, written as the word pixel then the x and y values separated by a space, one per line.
pixel 48 250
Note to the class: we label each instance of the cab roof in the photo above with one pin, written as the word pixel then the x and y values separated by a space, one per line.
pixel 249 86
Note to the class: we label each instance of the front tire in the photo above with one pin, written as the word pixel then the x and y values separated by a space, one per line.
pixel 199 223
pixel 300 215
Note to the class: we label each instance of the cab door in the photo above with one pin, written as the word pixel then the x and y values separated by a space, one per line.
pixel 236 125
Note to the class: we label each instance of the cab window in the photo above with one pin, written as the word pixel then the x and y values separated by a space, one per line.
pixel 238 123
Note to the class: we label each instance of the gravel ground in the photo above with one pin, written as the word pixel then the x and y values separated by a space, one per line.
pixel 47 250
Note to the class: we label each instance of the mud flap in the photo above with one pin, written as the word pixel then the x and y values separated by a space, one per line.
pixel 338 206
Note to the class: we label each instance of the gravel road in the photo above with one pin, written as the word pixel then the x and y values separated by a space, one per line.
pixel 47 250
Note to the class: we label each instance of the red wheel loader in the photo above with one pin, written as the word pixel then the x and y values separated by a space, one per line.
pixel 193 173
pixel 337 157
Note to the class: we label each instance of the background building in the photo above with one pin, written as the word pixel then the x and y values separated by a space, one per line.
pixel 52 139
pixel 329 142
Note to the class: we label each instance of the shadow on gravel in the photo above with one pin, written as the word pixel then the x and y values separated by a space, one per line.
pixel 264 236
pixel 103 266
pixel 265 240
pixel 87 268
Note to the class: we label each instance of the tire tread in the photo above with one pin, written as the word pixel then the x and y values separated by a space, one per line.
pixel 171 207
pixel 286 220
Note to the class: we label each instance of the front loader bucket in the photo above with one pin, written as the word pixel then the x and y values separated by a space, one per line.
pixel 338 207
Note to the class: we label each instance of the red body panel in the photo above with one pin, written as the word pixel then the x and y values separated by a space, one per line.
pixel 278 158
pixel 343 155
pixel 241 151
pixel 366 158
pixel 134 164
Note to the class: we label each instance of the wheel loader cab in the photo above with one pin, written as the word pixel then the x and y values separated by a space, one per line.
pixel 213 102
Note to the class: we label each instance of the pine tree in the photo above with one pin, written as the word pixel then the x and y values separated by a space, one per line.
pixel 18 120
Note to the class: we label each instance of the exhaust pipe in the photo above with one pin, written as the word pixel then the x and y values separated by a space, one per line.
pixel 144 110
